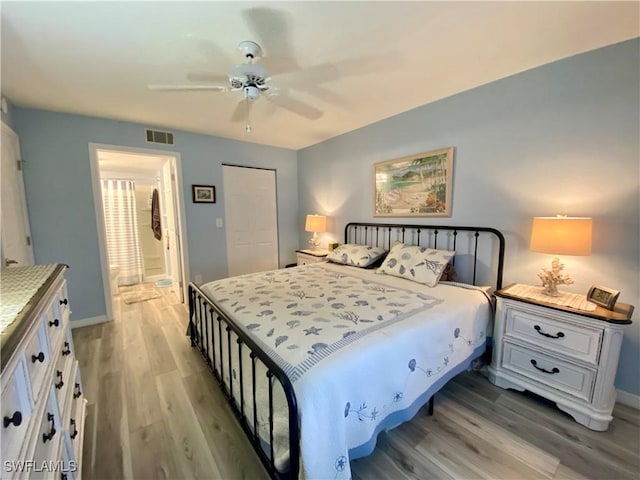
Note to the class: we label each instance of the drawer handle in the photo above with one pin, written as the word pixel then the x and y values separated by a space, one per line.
pixel 67 349
pixel 52 432
pixel 60 384
pixel 75 430
pixel 54 323
pixel 37 358
pixel 548 335
pixel 64 302
pixel 550 372
pixel 16 419
pixel 77 392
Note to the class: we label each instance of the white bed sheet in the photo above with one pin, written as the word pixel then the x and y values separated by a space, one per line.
pixel 374 382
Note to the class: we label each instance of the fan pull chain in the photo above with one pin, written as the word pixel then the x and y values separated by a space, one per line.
pixel 248 127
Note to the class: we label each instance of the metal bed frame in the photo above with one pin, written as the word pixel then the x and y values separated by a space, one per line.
pixel 209 325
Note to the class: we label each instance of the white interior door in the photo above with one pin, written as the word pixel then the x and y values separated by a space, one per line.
pixel 171 228
pixel 252 220
pixel 16 234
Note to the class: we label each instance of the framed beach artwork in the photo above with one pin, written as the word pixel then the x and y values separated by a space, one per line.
pixel 415 186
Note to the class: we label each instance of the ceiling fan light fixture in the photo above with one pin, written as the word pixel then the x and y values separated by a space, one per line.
pixel 251 92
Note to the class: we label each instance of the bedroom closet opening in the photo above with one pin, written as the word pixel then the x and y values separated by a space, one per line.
pixel 139 225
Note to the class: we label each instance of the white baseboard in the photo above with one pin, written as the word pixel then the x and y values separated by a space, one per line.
pixel 628 399
pixel 85 322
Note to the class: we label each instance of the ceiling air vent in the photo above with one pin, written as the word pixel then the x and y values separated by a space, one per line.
pixel 156 136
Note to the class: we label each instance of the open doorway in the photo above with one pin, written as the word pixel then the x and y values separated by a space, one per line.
pixel 140 220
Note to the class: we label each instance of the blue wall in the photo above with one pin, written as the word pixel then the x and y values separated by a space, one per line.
pixel 57 176
pixel 561 138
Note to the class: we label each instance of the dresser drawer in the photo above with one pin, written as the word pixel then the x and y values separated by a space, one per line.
pixel 48 435
pixel 38 359
pixel 577 341
pixel 559 374
pixel 77 415
pixel 16 408
pixel 53 323
pixel 63 370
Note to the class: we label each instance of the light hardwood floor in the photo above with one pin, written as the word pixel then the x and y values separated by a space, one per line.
pixel 155 412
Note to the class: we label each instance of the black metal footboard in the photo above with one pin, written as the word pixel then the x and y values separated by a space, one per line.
pixel 222 343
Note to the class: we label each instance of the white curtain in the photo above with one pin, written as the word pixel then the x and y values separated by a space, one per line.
pixel 121 224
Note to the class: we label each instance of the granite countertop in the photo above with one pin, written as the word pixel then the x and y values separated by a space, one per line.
pixel 21 290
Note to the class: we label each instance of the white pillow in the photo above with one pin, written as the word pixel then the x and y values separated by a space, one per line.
pixel 419 264
pixel 356 255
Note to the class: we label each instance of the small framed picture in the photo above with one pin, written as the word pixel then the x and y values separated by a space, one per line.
pixel 603 296
pixel 203 193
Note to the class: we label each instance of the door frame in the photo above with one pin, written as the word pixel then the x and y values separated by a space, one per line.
pixel 6 129
pixel 97 203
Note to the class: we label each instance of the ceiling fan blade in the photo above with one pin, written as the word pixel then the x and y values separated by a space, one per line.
pixel 300 108
pixel 273 29
pixel 208 78
pixel 241 112
pixel 187 88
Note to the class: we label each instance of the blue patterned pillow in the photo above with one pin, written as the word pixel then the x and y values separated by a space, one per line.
pixel 356 255
pixel 419 264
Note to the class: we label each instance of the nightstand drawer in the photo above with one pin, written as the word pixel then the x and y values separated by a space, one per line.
pixel 306 257
pixel 577 341
pixel 564 376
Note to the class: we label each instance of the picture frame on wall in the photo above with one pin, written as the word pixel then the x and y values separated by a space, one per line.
pixel 203 193
pixel 415 186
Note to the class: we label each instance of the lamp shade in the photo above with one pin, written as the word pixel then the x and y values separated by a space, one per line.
pixel 561 235
pixel 316 223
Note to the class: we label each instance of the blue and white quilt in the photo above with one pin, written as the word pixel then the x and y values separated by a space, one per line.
pixel 364 351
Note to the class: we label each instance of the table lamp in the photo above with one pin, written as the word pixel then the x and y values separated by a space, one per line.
pixel 316 224
pixel 559 235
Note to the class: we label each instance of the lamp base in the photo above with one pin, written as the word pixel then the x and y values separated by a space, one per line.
pixel 552 278
pixel 314 242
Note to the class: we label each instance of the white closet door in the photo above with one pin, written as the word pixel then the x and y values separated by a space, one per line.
pixel 16 235
pixel 251 219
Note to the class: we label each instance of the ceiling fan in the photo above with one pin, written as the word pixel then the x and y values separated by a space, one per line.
pixel 254 81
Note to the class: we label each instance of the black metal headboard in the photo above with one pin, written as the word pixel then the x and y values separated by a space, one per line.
pixel 479 258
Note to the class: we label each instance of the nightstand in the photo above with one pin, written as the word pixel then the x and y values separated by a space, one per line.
pixel 564 354
pixel 306 257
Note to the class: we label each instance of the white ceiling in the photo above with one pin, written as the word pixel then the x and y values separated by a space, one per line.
pixel 353 62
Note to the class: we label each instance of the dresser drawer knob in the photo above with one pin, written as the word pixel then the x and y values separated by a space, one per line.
pixel 548 335
pixel 15 419
pixel 54 323
pixel 64 302
pixel 67 349
pixel 75 430
pixel 60 384
pixel 37 358
pixel 77 391
pixel 52 431
pixel 550 372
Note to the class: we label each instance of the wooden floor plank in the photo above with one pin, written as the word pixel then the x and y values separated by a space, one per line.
pixel 153 453
pixel 109 457
pixel 221 429
pixel 192 455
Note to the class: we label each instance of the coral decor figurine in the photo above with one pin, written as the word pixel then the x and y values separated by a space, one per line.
pixel 552 278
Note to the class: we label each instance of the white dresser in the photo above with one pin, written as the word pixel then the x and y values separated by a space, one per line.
pixel 42 404
pixel 566 355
